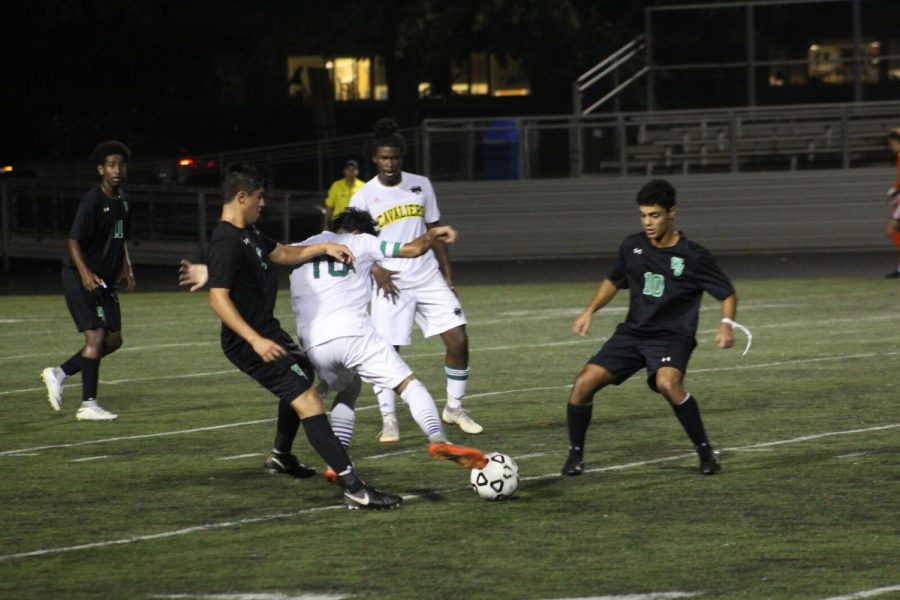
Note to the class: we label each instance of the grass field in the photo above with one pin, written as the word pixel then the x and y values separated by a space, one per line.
pixel 170 501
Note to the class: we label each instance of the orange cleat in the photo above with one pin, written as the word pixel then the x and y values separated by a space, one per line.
pixel 470 458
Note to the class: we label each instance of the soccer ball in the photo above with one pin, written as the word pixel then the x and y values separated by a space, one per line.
pixel 498 480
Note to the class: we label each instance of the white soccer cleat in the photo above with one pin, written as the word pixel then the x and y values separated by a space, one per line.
pixel 461 417
pixel 53 378
pixel 95 413
pixel 390 430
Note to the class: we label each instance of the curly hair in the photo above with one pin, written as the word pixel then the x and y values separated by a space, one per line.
pixel 109 148
pixel 387 135
pixel 657 191
pixel 354 219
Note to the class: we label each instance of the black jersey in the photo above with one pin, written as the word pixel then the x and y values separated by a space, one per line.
pixel 239 261
pixel 101 226
pixel 666 285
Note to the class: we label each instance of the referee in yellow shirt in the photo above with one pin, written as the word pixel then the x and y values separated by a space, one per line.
pixel 341 191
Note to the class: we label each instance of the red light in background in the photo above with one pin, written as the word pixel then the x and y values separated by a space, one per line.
pixel 210 164
pixel 186 162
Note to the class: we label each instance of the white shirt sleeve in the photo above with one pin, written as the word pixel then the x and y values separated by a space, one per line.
pixel 432 213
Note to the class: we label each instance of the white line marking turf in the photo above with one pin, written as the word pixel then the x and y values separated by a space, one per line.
pixel 256 596
pixel 867 593
pixel 239 456
pixel 318 509
pixel 650 596
pixel 90 458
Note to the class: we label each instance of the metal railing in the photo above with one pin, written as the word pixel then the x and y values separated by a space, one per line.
pixel 689 141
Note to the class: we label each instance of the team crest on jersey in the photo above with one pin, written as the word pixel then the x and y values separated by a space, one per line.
pixel 677 266
pixel 416 189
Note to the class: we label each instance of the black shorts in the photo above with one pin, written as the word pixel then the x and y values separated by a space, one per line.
pixel 623 355
pixel 287 377
pixel 91 310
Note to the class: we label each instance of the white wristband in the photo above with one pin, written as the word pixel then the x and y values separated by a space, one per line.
pixel 746 331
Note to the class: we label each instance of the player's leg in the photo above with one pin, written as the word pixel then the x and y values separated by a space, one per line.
pixel 393 322
pixel 892 230
pixel 91 354
pixel 668 380
pixel 438 312
pixel 579 411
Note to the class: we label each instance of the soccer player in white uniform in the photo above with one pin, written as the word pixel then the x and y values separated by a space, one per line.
pixel 405 207
pixel 329 300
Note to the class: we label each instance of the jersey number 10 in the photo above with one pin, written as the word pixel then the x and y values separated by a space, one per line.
pixel 335 269
pixel 654 284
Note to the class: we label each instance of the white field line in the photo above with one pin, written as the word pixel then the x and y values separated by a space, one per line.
pixel 240 456
pixel 125 349
pixel 317 509
pixel 478 395
pixel 90 458
pixel 867 593
pixel 255 596
pixel 390 454
pixel 649 596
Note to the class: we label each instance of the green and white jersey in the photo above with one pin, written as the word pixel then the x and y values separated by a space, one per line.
pixel 401 212
pixel 330 299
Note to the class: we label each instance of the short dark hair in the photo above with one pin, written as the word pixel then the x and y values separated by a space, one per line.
pixel 657 191
pixel 355 219
pixel 388 136
pixel 241 178
pixel 109 148
pixel 894 134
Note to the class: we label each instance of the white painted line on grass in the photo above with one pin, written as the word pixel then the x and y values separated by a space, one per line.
pixel 125 349
pixel 650 596
pixel 867 593
pixel 255 596
pixel 135 437
pixel 240 456
pixel 852 455
pixel 390 454
pixel 90 458
pixel 317 509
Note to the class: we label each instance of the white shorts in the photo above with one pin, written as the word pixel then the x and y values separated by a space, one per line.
pixel 337 362
pixel 433 306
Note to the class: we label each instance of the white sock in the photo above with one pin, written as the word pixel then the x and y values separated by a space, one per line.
pixel 90 402
pixel 387 400
pixel 457 381
pixel 343 418
pixel 422 407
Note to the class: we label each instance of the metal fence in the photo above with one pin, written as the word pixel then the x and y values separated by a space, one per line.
pixel 691 141
pixel 167 221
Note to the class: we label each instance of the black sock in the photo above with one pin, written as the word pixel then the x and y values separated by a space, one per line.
pixel 322 439
pixel 286 427
pixel 90 373
pixel 73 365
pixel 688 414
pixel 578 418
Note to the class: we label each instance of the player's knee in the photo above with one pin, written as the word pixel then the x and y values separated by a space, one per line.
pixel 669 386
pixel 587 383
pixel 113 343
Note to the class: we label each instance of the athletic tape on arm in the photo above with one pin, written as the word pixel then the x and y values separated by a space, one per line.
pixel 734 324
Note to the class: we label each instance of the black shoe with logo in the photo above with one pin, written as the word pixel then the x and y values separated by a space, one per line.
pixel 287 464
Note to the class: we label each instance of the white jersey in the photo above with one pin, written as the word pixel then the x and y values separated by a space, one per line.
pixel 330 298
pixel 401 212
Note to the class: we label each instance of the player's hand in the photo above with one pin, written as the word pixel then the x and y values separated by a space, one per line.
pixel 385 283
pixel 92 281
pixel 340 252
pixel 128 278
pixel 268 350
pixel 724 336
pixel 444 233
pixel 193 275
pixel 582 324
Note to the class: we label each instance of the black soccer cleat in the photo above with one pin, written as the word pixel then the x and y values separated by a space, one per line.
pixel 893 275
pixel 710 464
pixel 371 499
pixel 287 464
pixel 574 464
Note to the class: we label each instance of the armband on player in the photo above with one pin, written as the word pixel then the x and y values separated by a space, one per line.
pixel 735 325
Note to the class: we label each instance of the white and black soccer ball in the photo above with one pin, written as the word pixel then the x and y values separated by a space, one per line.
pixel 498 480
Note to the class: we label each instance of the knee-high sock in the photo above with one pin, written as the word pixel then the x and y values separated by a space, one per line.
pixel 90 374
pixel 688 413
pixel 343 419
pixel 286 427
pixel 423 410
pixel 321 438
pixel 387 401
pixel 72 365
pixel 457 381
pixel 578 418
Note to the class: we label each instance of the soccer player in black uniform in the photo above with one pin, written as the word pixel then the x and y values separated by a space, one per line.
pixel 666 275
pixel 97 259
pixel 243 290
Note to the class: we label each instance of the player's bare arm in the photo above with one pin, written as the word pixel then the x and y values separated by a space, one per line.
pixel 289 256
pixel 442 256
pixel 222 305
pixel 127 274
pixel 725 335
pixel 90 280
pixel 442 234
pixel 605 292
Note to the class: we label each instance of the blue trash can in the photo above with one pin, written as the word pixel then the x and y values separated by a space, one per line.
pixel 500 149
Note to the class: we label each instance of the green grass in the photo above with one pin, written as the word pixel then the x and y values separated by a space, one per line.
pixel 812 517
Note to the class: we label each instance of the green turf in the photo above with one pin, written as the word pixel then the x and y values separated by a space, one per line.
pixel 807 518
